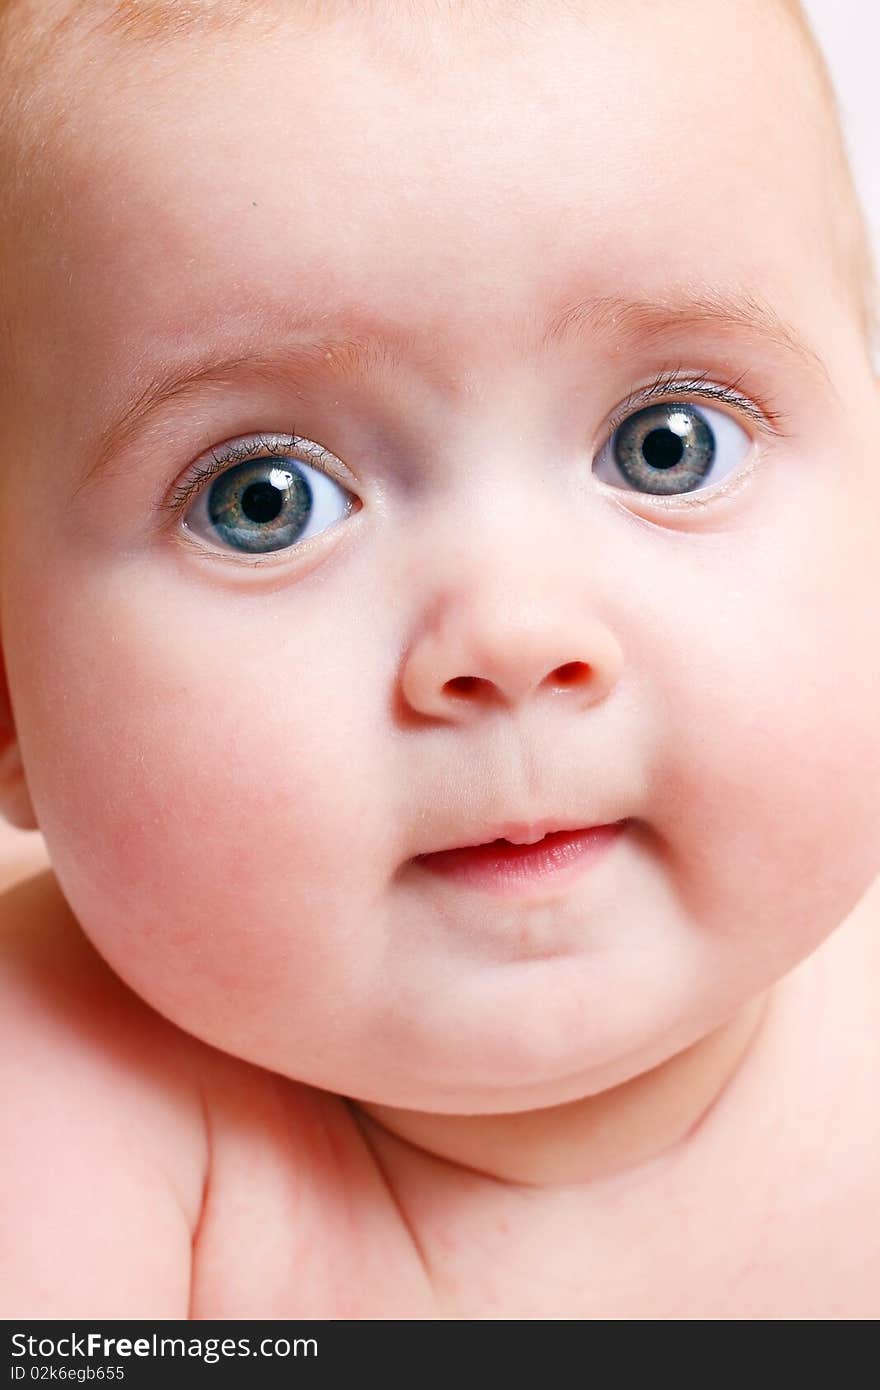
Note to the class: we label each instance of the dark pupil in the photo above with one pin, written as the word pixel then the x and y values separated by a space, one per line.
pixel 662 448
pixel 261 502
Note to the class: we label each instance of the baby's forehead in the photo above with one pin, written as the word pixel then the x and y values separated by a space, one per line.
pixel 477 21
pixel 771 37
pixel 40 39
pixel 419 32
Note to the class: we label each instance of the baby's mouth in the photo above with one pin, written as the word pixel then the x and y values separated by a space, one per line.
pixel 508 867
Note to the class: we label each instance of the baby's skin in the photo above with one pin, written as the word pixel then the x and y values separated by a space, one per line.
pixel 552 503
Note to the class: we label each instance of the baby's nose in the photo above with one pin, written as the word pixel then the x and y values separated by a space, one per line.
pixel 478 658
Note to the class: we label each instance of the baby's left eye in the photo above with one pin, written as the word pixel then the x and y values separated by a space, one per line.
pixel 672 448
pixel 266 504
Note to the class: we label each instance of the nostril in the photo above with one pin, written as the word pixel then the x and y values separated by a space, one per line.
pixel 572 673
pixel 463 685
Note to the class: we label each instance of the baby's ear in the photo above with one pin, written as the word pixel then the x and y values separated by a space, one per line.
pixel 15 798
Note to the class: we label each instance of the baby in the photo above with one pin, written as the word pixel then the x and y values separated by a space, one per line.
pixel 439 551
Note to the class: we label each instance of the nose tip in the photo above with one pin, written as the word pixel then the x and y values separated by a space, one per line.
pixel 447 677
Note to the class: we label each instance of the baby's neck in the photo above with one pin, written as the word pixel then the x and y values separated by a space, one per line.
pixel 596 1137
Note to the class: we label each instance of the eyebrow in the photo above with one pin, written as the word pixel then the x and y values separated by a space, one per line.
pixel 355 356
pixel 162 21
pixel 742 313
pixel 349 356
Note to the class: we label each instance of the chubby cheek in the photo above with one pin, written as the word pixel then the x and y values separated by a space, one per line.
pixel 208 793
pixel 767 780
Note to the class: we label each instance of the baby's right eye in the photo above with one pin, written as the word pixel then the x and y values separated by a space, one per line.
pixel 265 504
pixel 671 449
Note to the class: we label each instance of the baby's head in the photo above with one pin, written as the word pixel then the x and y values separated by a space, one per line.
pixel 525 344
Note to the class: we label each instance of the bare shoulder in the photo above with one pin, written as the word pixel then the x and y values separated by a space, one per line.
pixel 105 1147
pixel 301 1219
pixel 71 1012
pixel 155 1177
pixel 825 1142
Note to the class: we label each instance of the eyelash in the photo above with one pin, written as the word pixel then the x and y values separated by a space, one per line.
pixel 275 446
pixel 669 384
pixel 665 386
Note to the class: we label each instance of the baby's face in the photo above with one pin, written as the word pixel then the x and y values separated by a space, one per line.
pixel 416 294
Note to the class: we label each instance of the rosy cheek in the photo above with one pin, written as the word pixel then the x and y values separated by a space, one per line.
pixel 767 774
pixel 197 819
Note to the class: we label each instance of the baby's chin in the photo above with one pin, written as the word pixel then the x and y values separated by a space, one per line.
pixel 524 1037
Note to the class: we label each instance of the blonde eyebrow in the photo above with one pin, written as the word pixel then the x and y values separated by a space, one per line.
pixel 647 321
pixel 618 320
pixel 163 21
pixel 324 355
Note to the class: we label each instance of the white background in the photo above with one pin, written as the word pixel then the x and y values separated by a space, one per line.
pixel 849 32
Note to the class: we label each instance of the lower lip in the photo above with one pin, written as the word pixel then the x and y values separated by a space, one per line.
pixel 509 869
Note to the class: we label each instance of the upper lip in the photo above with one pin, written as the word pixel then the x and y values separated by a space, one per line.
pixel 517 832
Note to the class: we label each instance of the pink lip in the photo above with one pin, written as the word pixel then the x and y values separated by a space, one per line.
pixel 513 870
